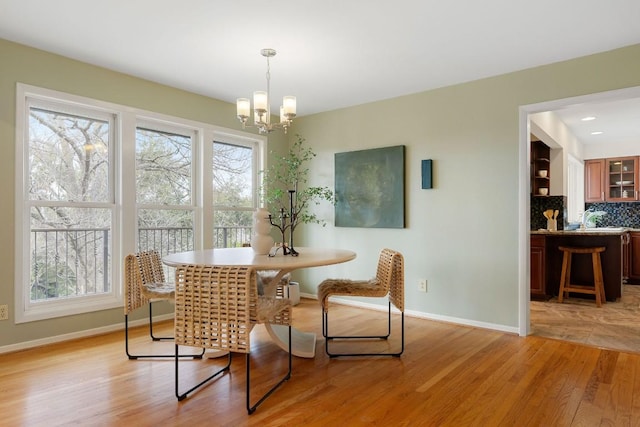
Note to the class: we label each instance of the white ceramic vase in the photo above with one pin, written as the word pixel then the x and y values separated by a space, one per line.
pixel 261 241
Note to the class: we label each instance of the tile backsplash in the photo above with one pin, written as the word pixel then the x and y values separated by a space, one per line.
pixel 541 204
pixel 622 214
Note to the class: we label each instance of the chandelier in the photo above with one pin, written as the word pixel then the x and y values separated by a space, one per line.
pixel 262 109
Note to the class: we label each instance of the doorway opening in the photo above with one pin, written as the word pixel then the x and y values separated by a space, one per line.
pixel 550 108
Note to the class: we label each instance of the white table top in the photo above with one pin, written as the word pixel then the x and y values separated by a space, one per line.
pixel 308 257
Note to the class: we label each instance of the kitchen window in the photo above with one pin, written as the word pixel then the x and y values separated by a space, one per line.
pixel 575 189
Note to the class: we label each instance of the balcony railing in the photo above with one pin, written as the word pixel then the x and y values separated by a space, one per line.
pixel 231 237
pixel 166 240
pixel 67 263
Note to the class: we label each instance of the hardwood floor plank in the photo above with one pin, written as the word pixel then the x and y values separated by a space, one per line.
pixel 449 376
pixel 489 383
pixel 618 411
pixel 573 375
pixel 545 387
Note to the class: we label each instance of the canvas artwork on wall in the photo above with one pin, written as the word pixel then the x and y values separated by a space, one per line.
pixel 370 188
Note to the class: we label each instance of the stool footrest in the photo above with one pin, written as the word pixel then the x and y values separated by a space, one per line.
pixel 581 289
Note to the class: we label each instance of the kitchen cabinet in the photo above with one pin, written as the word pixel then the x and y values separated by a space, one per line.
pixel 538 282
pixel 634 257
pixel 545 279
pixel 540 168
pixel 612 180
pixel 622 179
pixel 594 173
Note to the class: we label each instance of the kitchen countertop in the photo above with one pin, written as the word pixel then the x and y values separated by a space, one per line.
pixel 600 231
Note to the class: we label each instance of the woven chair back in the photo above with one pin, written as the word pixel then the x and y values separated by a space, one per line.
pixel 151 269
pixel 396 282
pixel 133 297
pixel 215 307
pixel 140 268
pixel 390 274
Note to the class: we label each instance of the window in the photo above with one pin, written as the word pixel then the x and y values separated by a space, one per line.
pixel 234 192
pixel 68 206
pixel 164 189
pixel 96 181
pixel 575 189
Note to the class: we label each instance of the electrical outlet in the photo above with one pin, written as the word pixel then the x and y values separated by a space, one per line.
pixel 4 312
pixel 422 285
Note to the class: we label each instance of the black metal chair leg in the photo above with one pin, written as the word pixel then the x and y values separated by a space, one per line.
pixel 150 356
pixel 251 409
pixel 182 396
pixel 325 333
pixel 153 337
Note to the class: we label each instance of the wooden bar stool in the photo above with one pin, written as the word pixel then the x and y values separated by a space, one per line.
pixel 565 278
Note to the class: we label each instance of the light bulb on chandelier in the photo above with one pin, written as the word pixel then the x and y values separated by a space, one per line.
pixel 261 106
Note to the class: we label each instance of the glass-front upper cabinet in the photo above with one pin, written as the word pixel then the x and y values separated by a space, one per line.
pixel 622 179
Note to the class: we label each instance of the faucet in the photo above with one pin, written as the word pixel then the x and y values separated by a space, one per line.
pixel 590 216
pixel 583 218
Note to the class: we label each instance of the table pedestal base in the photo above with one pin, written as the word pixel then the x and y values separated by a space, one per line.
pixel 303 344
pixel 214 354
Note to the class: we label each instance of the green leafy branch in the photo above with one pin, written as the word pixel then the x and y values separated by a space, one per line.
pixel 291 172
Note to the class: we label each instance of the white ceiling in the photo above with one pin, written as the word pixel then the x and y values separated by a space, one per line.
pixel 618 120
pixel 331 54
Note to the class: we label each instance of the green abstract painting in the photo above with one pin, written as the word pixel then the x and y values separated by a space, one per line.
pixel 370 188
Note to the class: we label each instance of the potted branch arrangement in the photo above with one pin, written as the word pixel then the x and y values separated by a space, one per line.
pixel 285 190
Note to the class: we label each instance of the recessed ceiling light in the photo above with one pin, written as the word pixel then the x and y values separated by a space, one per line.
pixel 588 118
pixel 597 132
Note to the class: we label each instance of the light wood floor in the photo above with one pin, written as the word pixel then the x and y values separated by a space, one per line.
pixel 449 376
pixel 615 325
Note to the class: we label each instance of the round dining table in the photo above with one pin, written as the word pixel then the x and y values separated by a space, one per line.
pixel 303 344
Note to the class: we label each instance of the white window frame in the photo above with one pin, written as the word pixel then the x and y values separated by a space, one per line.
pixel 25 310
pixel 575 189
pixel 124 230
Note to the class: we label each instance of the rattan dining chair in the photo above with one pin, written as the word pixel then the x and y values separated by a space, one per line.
pixel 144 284
pixel 389 280
pixel 216 308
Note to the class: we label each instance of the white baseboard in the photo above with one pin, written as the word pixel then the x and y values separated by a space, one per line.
pixel 423 315
pixel 80 334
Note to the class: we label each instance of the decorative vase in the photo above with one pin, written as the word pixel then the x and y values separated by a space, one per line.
pixel 261 241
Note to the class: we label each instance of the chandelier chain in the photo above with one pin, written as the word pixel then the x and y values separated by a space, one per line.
pixel 268 88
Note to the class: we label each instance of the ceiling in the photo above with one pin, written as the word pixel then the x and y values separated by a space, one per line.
pixel 331 54
pixel 614 122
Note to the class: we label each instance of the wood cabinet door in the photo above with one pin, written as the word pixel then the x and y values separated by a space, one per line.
pixel 594 180
pixel 621 179
pixel 634 256
pixel 538 282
